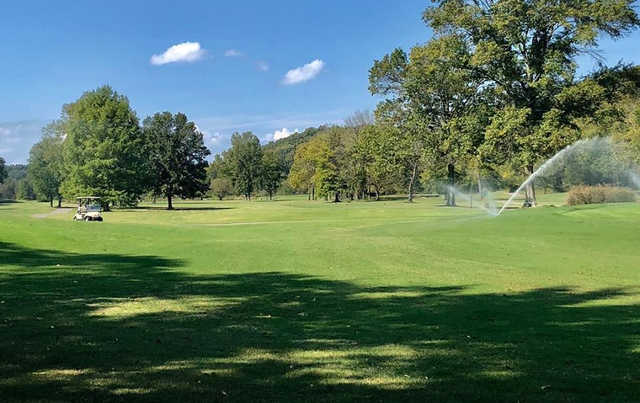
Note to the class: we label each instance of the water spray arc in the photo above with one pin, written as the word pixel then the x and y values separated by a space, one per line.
pixel 539 171
pixel 600 144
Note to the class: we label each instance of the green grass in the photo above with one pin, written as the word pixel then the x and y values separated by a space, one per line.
pixel 293 300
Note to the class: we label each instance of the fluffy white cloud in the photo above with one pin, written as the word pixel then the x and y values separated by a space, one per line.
pixel 262 65
pixel 232 53
pixel 284 133
pixel 182 52
pixel 304 73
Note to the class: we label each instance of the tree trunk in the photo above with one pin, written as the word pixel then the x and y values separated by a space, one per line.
pixel 313 192
pixel 270 194
pixel 451 173
pixel 59 201
pixel 336 197
pixel 51 201
pixel 412 181
pixel 169 202
pixel 530 189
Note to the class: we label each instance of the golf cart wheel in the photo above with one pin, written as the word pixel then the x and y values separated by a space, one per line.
pixel 87 218
pixel 99 219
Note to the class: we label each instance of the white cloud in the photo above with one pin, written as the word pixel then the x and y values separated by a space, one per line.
pixel 210 140
pixel 304 73
pixel 262 65
pixel 232 53
pixel 282 134
pixel 182 52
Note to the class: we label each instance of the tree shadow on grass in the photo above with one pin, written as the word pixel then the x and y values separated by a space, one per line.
pixel 108 327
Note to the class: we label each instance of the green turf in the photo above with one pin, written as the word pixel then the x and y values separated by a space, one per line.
pixel 293 300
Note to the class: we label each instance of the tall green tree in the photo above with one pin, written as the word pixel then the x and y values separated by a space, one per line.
pixel 377 147
pixel 176 156
pixel 243 163
pixel 104 148
pixel 525 51
pixel 221 187
pixel 303 169
pixel 46 164
pixel 272 173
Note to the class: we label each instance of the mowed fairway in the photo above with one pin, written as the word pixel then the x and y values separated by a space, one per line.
pixel 294 300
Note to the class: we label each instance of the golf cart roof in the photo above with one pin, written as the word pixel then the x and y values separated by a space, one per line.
pixel 87 197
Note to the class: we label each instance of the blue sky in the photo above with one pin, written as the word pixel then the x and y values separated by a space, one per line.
pixel 260 66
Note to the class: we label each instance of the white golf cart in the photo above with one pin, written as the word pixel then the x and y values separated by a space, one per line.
pixel 89 209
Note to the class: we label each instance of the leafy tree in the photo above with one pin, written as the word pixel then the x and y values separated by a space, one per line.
pixel 377 147
pixel 524 51
pixel 24 190
pixel 388 77
pixel 176 156
pixel 303 170
pixel 272 173
pixel 320 165
pixel 244 163
pixel 46 164
pixel 3 171
pixel 409 139
pixel 104 148
pixel 221 187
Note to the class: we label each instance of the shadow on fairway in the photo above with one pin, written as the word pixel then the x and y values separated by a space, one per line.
pixel 105 327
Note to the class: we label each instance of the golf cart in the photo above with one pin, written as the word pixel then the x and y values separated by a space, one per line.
pixel 89 209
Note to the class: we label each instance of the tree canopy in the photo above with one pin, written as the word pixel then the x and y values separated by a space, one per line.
pixel 46 165
pixel 176 156
pixel 104 148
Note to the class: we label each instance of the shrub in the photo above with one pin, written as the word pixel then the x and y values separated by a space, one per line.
pixel 599 194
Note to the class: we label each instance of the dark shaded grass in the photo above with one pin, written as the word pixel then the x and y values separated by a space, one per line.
pixel 528 346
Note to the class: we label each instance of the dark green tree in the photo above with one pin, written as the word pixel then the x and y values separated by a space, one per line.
pixel 3 171
pixel 176 156
pixel 46 164
pixel 243 163
pixel 272 173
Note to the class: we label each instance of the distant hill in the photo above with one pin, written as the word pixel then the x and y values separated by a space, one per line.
pixel 286 147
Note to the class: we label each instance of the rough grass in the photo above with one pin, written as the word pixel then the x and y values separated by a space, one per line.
pixel 307 301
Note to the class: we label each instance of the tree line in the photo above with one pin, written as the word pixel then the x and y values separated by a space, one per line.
pixel 98 147
pixel 491 95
